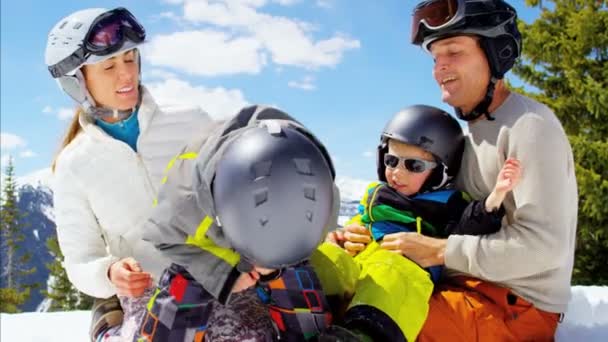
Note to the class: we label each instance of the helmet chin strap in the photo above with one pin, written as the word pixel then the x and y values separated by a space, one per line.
pixel 101 113
pixel 482 107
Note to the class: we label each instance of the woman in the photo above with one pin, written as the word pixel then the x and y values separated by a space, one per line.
pixel 112 160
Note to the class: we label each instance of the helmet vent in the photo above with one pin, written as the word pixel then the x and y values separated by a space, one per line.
pixel 263 221
pixel 309 192
pixel 260 196
pixel 309 215
pixel 261 170
pixel 77 26
pixel 63 24
pixel 303 166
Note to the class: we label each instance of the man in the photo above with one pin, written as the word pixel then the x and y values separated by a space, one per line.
pixel 514 284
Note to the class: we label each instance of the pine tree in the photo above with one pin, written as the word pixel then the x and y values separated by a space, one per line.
pixel 565 58
pixel 15 291
pixel 61 292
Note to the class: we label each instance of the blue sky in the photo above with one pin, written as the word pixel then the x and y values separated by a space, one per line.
pixel 342 67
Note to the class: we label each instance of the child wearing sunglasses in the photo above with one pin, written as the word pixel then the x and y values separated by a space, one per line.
pixel 418 156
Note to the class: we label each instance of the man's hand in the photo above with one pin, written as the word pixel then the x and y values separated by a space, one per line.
pixel 128 277
pixel 423 250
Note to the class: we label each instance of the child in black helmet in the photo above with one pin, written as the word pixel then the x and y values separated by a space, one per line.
pixel 419 154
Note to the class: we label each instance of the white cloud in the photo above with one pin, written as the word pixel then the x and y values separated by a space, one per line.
pixel 369 154
pixel 27 154
pixel 206 52
pixel 65 113
pixel 156 74
pixel 286 2
pixel 169 15
pixel 307 83
pixel 4 163
pixel 62 113
pixel 218 102
pixel 324 3
pixel 9 141
pixel 253 34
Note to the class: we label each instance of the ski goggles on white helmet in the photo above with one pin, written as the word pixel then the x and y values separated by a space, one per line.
pixel 435 15
pixel 107 34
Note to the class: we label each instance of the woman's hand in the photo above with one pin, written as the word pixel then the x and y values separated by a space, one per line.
pixel 245 281
pixel 128 277
pixel 423 250
pixel 357 237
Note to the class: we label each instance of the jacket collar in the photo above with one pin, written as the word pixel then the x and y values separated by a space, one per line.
pixel 147 110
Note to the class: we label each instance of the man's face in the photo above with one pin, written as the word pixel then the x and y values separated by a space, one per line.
pixel 461 70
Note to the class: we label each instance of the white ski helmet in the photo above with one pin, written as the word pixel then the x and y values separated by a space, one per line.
pixel 87 37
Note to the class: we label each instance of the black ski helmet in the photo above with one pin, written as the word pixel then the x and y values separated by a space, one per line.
pixel 432 130
pixel 494 21
pixel 273 194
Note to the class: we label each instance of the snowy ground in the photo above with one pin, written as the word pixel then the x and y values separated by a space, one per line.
pixel 586 320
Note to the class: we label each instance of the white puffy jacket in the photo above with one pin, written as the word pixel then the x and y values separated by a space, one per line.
pixel 104 192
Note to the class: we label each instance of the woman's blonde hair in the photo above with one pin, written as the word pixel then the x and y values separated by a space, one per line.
pixel 73 130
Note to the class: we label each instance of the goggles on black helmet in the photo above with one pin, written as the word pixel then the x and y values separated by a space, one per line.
pixel 435 15
pixel 107 34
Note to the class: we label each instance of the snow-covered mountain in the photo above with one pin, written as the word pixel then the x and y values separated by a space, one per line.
pixel 35 201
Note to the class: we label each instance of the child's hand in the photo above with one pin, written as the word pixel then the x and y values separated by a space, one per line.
pixel 508 177
pixel 357 237
pixel 245 281
pixel 336 237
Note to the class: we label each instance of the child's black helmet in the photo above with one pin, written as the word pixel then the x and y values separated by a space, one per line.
pixel 434 131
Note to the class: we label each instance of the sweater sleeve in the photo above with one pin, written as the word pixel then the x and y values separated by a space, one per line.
pixel 80 237
pixel 537 234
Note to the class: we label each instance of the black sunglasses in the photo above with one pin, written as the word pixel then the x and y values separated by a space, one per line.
pixel 414 165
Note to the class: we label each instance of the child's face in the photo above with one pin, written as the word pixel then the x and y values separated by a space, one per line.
pixel 399 178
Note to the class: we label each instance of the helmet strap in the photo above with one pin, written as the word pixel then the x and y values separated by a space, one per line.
pixel 436 180
pixel 100 113
pixel 482 107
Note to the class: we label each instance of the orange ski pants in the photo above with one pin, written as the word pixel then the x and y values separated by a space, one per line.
pixel 469 309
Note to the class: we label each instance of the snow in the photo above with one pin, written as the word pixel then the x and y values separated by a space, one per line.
pixel 586 320
pixel 351 188
pixel 43 177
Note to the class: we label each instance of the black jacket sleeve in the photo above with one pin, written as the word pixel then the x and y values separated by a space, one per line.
pixel 474 220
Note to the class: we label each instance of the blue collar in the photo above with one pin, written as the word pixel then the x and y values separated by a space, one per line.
pixel 126 130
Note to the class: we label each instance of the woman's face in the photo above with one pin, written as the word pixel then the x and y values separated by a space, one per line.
pixel 113 83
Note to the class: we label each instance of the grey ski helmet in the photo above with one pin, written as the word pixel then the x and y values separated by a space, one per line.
pixel 494 21
pixel 434 131
pixel 87 37
pixel 273 194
